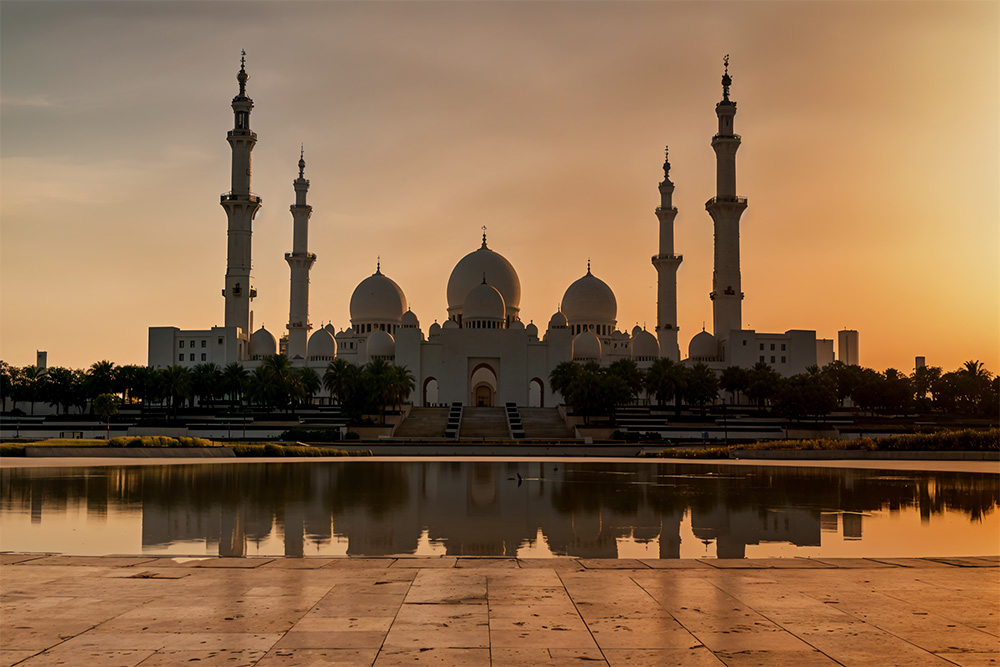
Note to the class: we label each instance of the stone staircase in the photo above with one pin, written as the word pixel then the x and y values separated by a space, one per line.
pixel 544 424
pixel 424 423
pixel 484 423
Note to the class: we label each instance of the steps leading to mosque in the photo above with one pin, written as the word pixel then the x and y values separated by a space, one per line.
pixel 424 423
pixel 488 423
pixel 544 423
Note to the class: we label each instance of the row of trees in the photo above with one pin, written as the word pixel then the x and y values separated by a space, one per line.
pixel 592 389
pixel 274 384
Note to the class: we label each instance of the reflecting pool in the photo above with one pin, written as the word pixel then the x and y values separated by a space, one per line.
pixel 526 509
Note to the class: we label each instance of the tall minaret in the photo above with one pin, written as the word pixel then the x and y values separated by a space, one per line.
pixel 241 206
pixel 300 260
pixel 667 263
pixel 726 208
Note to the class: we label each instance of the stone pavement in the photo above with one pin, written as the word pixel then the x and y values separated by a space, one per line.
pixel 271 612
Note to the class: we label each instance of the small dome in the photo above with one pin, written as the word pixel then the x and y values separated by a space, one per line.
pixel 620 335
pixel 590 300
pixel 409 320
pixel 344 334
pixel 468 274
pixel 449 324
pixel 484 303
pixel 636 330
pixel 532 330
pixel 517 325
pixel 377 299
pixel 703 346
pixel 644 345
pixel 322 345
pixel 381 344
pixel 586 347
pixel 332 329
pixel 558 321
pixel 262 344
pixel 434 330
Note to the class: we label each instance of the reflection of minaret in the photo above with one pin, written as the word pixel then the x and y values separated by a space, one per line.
pixel 300 260
pixel 241 206
pixel 667 263
pixel 726 208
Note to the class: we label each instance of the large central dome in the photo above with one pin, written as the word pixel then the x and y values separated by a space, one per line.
pixel 588 301
pixel 377 299
pixel 469 273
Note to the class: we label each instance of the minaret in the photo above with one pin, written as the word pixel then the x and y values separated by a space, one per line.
pixel 667 263
pixel 726 208
pixel 241 206
pixel 300 260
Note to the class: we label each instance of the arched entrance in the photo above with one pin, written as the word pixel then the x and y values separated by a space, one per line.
pixel 483 385
pixel 536 394
pixel 431 387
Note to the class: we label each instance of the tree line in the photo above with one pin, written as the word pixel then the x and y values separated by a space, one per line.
pixel 275 384
pixel 591 389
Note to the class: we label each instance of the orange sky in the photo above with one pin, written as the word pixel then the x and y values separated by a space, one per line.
pixel 870 157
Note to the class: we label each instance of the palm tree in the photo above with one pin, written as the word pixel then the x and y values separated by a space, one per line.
pixel 206 382
pixel 378 378
pixel 234 381
pixel 311 383
pixel 33 379
pixel 101 379
pixel 735 380
pixel 281 387
pixel 337 379
pixel 665 381
pixel 562 378
pixel 702 386
pixel 60 388
pixel 628 371
pixel 403 384
pixel 175 382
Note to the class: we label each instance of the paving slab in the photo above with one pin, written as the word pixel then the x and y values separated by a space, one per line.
pixel 275 612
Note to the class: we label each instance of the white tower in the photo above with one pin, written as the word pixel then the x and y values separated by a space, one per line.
pixel 241 206
pixel 300 261
pixel 667 263
pixel 726 208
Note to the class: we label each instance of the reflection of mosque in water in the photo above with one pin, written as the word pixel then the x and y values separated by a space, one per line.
pixel 484 509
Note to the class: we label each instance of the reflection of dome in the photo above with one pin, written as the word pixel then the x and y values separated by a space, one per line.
pixel 484 303
pixel 703 346
pixel 468 273
pixel 645 346
pixel 532 330
pixel 262 344
pixel 381 345
pixel 558 320
pixel 589 300
pixel 409 320
pixel 377 299
pixel 322 346
pixel 586 347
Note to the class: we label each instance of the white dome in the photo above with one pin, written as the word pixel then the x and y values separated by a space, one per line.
pixel 262 344
pixel 532 330
pixel 586 347
pixel 468 273
pixel 636 330
pixel 484 303
pixel 332 329
pixel 409 320
pixel 322 345
pixel 344 334
pixel 644 345
pixel 381 344
pixel 703 346
pixel 434 330
pixel 558 320
pixel 449 324
pixel 377 299
pixel 590 300
pixel 517 324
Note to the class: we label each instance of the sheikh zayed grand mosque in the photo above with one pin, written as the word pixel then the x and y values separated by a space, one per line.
pixel 483 354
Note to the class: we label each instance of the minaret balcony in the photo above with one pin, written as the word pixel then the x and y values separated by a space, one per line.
pixel 673 258
pixel 240 196
pixel 672 209
pixel 725 137
pixel 726 199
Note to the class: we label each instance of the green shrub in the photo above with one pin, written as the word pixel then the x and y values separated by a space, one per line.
pixel 351 435
pixel 272 449
pixel 158 441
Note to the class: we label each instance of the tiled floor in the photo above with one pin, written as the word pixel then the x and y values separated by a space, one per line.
pixel 127 612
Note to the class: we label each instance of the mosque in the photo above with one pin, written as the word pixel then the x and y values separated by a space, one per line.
pixel 483 354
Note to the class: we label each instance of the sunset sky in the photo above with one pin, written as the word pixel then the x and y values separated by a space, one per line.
pixel 870 158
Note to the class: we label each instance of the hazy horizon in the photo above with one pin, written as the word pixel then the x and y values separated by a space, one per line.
pixel 870 158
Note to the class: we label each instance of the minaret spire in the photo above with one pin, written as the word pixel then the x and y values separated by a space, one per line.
pixel 241 206
pixel 667 263
pixel 300 262
pixel 726 208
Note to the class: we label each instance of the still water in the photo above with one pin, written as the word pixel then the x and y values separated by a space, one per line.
pixel 525 509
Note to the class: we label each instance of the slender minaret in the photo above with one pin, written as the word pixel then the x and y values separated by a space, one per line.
pixel 667 263
pixel 726 208
pixel 241 206
pixel 300 260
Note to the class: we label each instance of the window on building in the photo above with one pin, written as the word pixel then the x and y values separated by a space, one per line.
pixel 744 343
pixel 762 358
pixel 782 347
pixel 782 360
pixel 772 348
pixel 762 347
pixel 220 340
pixel 182 357
pixel 203 356
pixel 204 343
pixel 181 345
pixel 772 359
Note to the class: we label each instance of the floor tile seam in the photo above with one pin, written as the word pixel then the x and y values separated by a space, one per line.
pixel 949 618
pixel 393 623
pixel 582 619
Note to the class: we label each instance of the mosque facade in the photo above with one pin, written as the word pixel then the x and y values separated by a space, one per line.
pixel 483 354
